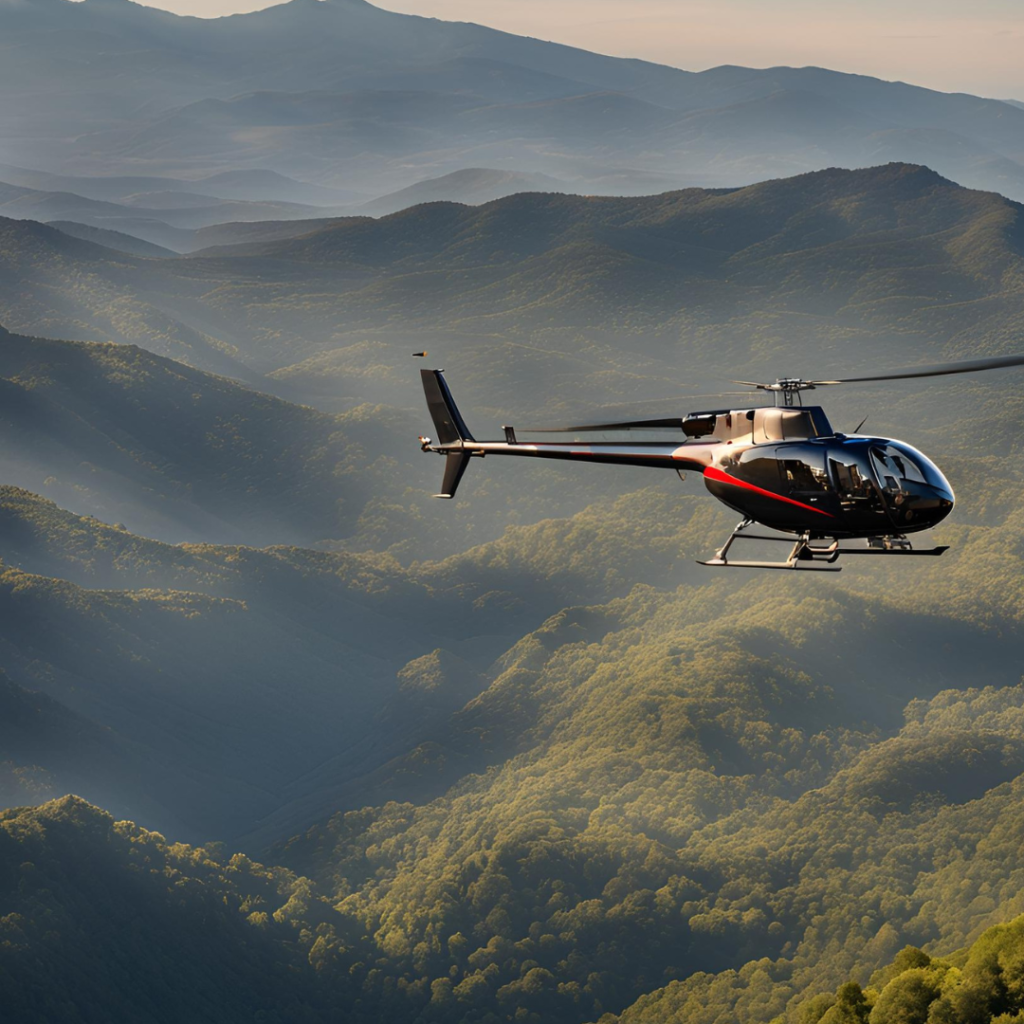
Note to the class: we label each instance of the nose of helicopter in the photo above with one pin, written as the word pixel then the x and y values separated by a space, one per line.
pixel 923 507
pixel 916 493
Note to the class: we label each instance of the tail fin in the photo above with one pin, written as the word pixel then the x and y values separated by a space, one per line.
pixel 451 429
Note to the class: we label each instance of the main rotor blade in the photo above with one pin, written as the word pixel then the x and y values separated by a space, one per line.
pixel 660 423
pixel 672 422
pixel 941 370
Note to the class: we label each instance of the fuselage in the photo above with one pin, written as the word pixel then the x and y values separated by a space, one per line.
pixel 836 486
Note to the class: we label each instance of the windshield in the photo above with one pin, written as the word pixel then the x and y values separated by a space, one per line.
pixel 896 465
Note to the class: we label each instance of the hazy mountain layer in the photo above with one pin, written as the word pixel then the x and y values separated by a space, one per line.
pixel 167 218
pixel 474 186
pixel 359 99
pixel 182 454
pixel 116 240
pixel 239 186
pixel 520 298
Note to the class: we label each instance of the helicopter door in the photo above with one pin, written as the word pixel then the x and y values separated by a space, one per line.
pixel 803 474
pixel 857 492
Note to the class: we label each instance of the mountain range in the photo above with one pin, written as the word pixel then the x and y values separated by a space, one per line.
pixel 528 292
pixel 356 101
pixel 544 307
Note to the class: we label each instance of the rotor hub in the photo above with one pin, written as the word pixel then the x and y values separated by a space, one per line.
pixel 788 387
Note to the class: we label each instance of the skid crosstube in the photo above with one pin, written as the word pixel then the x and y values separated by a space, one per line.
pixel 804 556
pixel 718 563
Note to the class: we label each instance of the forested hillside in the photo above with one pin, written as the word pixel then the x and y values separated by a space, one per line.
pixel 515 757
pixel 105 919
pixel 240 680
pixel 183 454
pixel 975 985
pixel 577 871
pixel 562 909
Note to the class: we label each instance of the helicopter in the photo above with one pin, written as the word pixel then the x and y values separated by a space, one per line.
pixel 781 467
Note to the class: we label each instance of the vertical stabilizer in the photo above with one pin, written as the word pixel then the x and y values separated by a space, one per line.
pixel 448 422
pixel 450 427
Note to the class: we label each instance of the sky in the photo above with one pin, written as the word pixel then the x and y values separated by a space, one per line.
pixel 953 45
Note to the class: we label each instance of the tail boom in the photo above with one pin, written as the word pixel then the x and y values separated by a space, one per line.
pixel 458 445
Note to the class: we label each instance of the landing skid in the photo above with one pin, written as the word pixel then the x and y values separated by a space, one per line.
pixel 806 556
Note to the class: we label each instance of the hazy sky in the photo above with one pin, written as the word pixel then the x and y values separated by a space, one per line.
pixel 970 45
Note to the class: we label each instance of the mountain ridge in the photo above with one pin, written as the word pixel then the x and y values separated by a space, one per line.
pixel 686 278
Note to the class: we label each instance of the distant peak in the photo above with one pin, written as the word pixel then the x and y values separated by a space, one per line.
pixel 324 4
pixel 286 8
pixel 917 171
pixel 120 7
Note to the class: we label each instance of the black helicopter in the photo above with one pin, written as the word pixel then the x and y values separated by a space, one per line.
pixel 783 467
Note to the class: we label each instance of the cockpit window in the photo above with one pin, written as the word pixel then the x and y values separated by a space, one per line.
pixel 909 469
pixel 894 466
pixel 856 491
pixel 885 470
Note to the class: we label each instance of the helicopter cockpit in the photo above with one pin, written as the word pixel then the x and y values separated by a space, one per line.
pixel 911 485
pixel 873 476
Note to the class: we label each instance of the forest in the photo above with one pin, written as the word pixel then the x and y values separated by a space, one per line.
pixel 502 901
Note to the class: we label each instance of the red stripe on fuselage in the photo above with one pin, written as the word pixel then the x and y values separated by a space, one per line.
pixel 723 478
